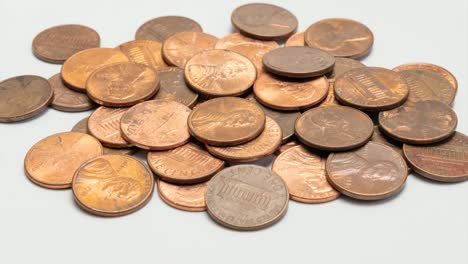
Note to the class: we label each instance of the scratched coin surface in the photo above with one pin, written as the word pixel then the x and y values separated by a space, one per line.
pixel 162 28
pixel 156 125
pixel 334 128
pixel 52 161
pixel 343 65
pixel 340 37
pixel 172 86
pixel 220 73
pixel 236 39
pixel 66 99
pixel 431 68
pixel 147 52
pixel 371 88
pixel 330 99
pixel 446 161
pixel 23 97
pixel 112 185
pixel 372 172
pixel 226 121
pixel 184 197
pixel 246 197
pixel 264 21
pixel 421 122
pixel 254 52
pixel 56 44
pixel 104 124
pixel 122 84
pixel 304 174
pixel 295 40
pixel 298 62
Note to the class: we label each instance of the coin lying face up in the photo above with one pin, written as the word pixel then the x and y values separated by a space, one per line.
pixel 172 86
pixel 163 27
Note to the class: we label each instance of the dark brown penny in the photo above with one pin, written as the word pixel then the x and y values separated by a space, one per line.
pixel 173 87
pixel 104 124
pixel 295 40
pixel 184 197
pixel 236 39
pixel 162 28
pixel 431 68
pixel 334 128
pixel 343 65
pixel 179 48
pixel 147 52
pixel 66 99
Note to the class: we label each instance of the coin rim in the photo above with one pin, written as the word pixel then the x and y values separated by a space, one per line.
pixel 161 17
pixel 105 142
pixel 68 107
pixel 178 206
pixel 193 102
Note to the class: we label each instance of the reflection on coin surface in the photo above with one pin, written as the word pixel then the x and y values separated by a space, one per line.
pixel 162 28
pixel 236 39
pixel 179 48
pixel 431 68
pixel 173 87
pixel 295 40
pixel 184 197
pixel 343 65
pixel 66 99
pixel 104 124
pixel 147 52
pixel 254 52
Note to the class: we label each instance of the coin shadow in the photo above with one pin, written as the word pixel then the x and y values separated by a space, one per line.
pixel 358 202
pixel 207 215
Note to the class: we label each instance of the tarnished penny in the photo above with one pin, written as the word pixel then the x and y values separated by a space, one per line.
pixel 372 172
pixel 378 137
pixel 264 21
pixel 122 84
pixel 371 88
pixel 287 146
pixel 226 121
pixel 179 48
pixel 112 185
pixel 334 128
pixel 295 40
pixel 220 73
pixel 23 97
pixel 343 65
pixel 298 62
pixel 104 124
pixel 330 99
pixel 184 197
pixel 236 39
pixel 254 52
pixel 66 99
pixel 162 28
pixel 172 86
pixel 246 197
pixel 446 161
pixel 304 174
pixel 156 125
pixel 187 164
pixel 56 44
pixel 431 68
pixel 340 37
pixel 147 52
pixel 52 161
pixel 422 122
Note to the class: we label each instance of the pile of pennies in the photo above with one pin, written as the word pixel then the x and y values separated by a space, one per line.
pixel 205 107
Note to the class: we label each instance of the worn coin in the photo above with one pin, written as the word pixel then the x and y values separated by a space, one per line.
pixel 179 48
pixel 104 124
pixel 66 99
pixel 295 40
pixel 147 52
pixel 184 197
pixel 254 52
pixel 173 87
pixel 330 99
pixel 431 68
pixel 236 39
pixel 287 146
pixel 343 65
pixel 162 28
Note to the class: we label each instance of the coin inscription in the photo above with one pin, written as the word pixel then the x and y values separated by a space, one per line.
pixel 147 52
pixel 104 124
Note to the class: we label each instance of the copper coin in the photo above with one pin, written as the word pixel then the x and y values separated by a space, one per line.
pixel 220 73
pixel 298 62
pixel 372 172
pixel 104 124
pixel 56 44
pixel 122 84
pixel 52 161
pixel 226 121
pixel 23 97
pixel 264 21
pixel 179 48
pixel 378 137
pixel 112 185
pixel 187 164
pixel 304 174
pixel 66 99
pixel 156 125
pixel 295 40
pixel 147 52
pixel 330 99
pixel 162 28
pixel 287 146
pixel 334 128
pixel 246 197
pixel 422 122
pixel 173 87
pixel 343 65
pixel 431 68
pixel 254 52
pixel 184 197
pixel 290 94
pixel 236 39
pixel 371 88
pixel 340 37
pixel 446 161
pixel 77 68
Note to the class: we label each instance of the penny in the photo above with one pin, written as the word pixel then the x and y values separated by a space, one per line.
pixel 422 122
pixel 156 125
pixel 184 197
pixel 236 39
pixel 371 88
pixel 23 97
pixel 77 68
pixel 343 65
pixel 179 48
pixel 173 87
pixel 446 161
pixel 220 73
pixel 264 21
pixel 56 44
pixel 287 146
pixel 330 99
pixel 340 37
pixel 147 52
pixel 372 172
pixel 112 185
pixel 52 161
pixel 295 40
pixel 226 121
pixel 162 28
pixel 334 128
pixel 431 68
pixel 378 137
pixel 122 84
pixel 104 124
pixel 298 62
pixel 246 197
pixel 187 164
pixel 254 52
pixel 66 99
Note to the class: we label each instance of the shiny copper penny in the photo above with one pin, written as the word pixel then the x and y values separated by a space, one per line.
pixel 23 97
pixel 220 73
pixel 334 128
pixel 156 125
pixel 287 146
pixel 372 172
pixel 236 39
pixel 226 121
pixel 184 197
pixel 378 137
pixel 254 52
pixel 343 65
pixel 52 161
pixel 174 87
pixel 246 197
pixel 112 185
pixel 295 40
pixel 147 52
pixel 371 88
pixel 330 99
pixel 66 99
pixel 56 44
pixel 104 124
pixel 162 28
pixel 179 48
pixel 422 122
pixel 340 37
pixel 431 68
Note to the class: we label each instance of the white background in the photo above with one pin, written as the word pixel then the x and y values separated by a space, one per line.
pixel 426 223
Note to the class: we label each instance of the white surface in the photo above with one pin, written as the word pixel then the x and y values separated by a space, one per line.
pixel 426 223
